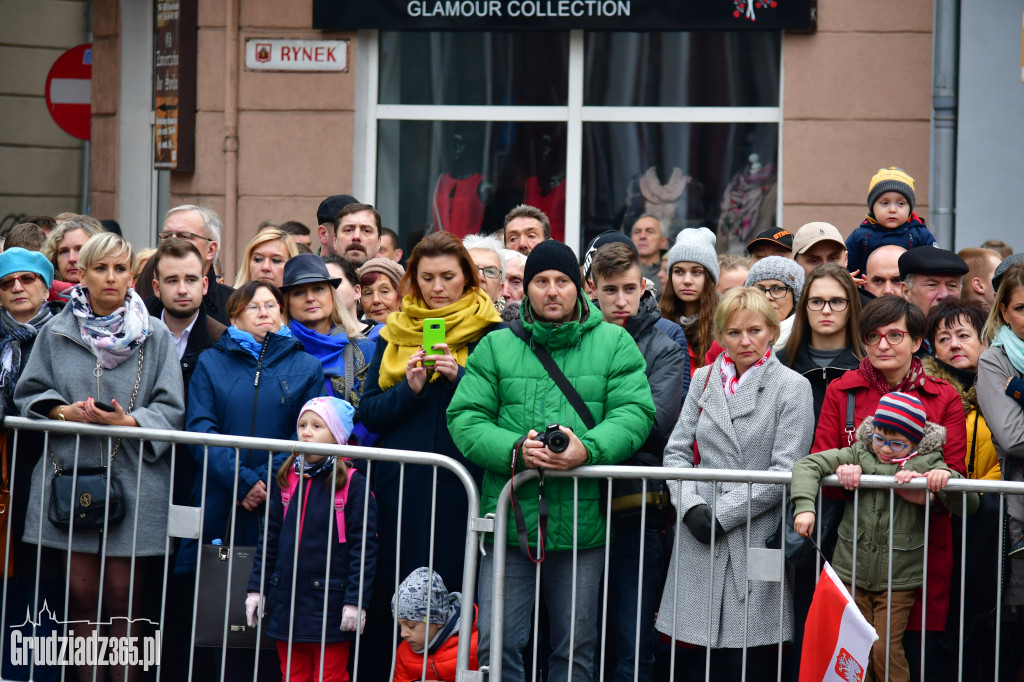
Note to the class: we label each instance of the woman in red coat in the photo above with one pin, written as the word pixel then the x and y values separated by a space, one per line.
pixel 893 330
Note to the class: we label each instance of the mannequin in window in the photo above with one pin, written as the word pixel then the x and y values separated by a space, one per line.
pixel 460 194
pixel 748 204
pixel 546 189
pixel 677 203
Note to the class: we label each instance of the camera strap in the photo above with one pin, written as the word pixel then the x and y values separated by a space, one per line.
pixel 582 410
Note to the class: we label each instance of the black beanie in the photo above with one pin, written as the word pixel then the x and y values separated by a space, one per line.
pixel 552 255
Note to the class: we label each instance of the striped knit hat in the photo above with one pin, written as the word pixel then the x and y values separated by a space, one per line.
pixel 891 179
pixel 902 413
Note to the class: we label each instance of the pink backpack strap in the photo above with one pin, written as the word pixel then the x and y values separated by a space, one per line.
pixel 340 500
pixel 286 494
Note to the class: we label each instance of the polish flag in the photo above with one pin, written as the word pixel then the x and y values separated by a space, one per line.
pixel 837 638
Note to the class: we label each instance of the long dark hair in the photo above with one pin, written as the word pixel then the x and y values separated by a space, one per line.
pixel 672 308
pixel 801 331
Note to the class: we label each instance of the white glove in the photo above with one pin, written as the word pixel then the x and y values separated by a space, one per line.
pixel 350 616
pixel 253 602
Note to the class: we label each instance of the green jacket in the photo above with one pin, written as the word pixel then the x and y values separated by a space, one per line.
pixel 506 392
pixel 873 511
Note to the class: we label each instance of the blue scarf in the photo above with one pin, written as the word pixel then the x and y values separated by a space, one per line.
pixel 326 348
pixel 1012 345
pixel 249 342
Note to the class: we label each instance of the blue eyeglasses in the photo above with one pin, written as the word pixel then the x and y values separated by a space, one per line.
pixel 894 445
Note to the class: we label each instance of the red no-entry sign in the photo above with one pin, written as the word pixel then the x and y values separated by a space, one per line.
pixel 69 91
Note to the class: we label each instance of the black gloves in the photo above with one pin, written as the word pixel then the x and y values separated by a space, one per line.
pixel 698 520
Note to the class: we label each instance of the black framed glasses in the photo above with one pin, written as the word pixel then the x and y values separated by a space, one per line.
pixel 893 337
pixel 490 272
pixel 894 445
pixel 836 305
pixel 26 278
pixel 775 291
pixel 188 236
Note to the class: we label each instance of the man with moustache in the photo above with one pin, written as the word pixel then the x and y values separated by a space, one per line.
pixel 325 215
pixel 357 233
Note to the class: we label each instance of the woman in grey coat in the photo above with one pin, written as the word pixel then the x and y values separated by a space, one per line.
pixel 1001 396
pixel 104 347
pixel 745 411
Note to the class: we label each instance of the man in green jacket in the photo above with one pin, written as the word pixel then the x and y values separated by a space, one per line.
pixel 503 402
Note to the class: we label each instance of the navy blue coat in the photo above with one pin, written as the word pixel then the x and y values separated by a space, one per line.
pixel 406 421
pixel 221 397
pixel 311 576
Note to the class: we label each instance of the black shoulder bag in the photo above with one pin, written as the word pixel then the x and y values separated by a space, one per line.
pixel 582 410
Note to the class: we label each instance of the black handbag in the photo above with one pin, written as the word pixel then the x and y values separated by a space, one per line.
pixel 216 564
pixel 89 498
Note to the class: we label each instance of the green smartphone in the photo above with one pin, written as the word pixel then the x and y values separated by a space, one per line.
pixel 433 334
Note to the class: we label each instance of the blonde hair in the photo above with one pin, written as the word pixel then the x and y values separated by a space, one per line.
pixel 85 223
pixel 1013 279
pixel 745 298
pixel 273 234
pixel 103 246
pixel 337 479
pixel 340 316
pixel 141 258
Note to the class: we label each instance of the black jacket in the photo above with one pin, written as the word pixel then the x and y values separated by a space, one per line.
pixel 820 377
pixel 215 303
pixel 667 371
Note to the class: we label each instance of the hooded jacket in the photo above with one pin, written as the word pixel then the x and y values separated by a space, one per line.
pixel 442 653
pixel 234 393
pixel 870 235
pixel 872 516
pixel 506 392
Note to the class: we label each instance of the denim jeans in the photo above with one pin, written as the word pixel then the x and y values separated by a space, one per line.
pixel 623 579
pixel 558 581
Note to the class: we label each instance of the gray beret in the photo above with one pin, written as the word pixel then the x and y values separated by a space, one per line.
pixel 931 260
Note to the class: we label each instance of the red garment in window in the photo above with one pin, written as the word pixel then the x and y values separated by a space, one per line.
pixel 457 205
pixel 552 203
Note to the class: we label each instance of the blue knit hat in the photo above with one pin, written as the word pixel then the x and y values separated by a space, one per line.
pixel 902 413
pixel 695 245
pixel 23 260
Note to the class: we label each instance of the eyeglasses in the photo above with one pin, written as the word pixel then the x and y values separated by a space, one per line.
pixel 894 445
pixel 836 305
pixel 775 291
pixel 489 272
pixel 26 278
pixel 893 337
pixel 188 236
pixel 269 306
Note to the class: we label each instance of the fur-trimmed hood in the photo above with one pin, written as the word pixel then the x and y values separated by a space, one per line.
pixel 933 439
pixel 962 381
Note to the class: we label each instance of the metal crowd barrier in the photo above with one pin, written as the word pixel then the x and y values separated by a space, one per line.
pixel 749 478
pixel 187 522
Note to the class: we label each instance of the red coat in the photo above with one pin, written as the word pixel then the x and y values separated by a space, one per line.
pixel 943 406
pixel 441 664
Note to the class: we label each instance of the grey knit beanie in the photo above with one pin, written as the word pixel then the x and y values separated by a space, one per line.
pixel 1008 262
pixel 419 587
pixel 695 245
pixel 786 270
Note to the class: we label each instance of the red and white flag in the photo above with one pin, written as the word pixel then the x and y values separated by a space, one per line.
pixel 837 638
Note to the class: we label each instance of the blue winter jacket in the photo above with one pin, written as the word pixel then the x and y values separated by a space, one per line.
pixel 870 235
pixel 225 397
pixel 347 560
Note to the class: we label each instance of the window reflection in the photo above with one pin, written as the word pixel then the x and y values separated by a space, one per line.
pixel 474 68
pixel 465 176
pixel 682 69
pixel 687 174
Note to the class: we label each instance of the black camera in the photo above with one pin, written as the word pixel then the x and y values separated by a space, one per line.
pixel 555 439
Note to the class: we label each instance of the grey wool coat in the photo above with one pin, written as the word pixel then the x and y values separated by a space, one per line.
pixel 1005 417
pixel 766 426
pixel 61 370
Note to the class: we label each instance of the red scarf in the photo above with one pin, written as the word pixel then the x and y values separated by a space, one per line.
pixel 911 383
pixel 730 381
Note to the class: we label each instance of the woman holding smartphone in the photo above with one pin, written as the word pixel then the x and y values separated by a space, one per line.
pixel 405 400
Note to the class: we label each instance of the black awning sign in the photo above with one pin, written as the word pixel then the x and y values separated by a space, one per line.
pixel 609 15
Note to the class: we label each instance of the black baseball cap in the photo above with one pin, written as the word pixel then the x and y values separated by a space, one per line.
pixel 773 235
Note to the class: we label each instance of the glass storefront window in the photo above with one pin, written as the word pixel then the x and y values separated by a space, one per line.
pixel 687 174
pixel 465 176
pixel 474 68
pixel 706 69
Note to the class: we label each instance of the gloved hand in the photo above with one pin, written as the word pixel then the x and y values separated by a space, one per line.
pixel 351 617
pixel 1015 389
pixel 699 520
pixel 253 603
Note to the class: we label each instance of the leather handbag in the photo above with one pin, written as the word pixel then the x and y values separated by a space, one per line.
pixel 216 564
pixel 90 497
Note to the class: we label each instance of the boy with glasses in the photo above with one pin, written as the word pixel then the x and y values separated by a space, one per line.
pixel 897 441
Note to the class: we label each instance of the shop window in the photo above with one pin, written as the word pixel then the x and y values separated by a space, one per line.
pixel 595 129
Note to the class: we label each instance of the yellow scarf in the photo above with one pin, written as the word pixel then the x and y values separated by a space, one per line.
pixel 464 323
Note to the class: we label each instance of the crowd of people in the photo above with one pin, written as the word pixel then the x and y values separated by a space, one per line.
pixel 881 353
